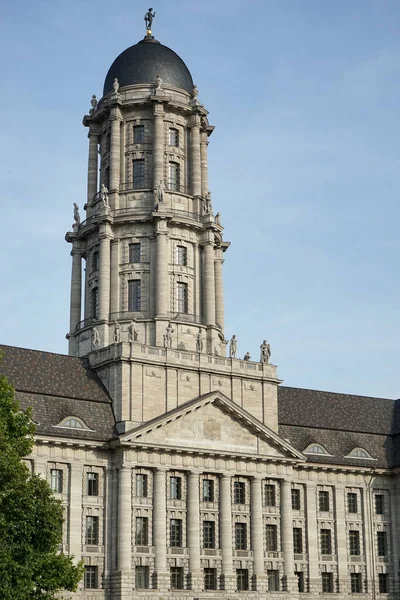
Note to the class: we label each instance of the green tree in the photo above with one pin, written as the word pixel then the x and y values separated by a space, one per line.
pixel 30 517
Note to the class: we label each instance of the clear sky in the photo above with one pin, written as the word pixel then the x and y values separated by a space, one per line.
pixel 304 168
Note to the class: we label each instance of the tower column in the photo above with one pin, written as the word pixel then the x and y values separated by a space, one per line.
pixel 195 160
pixel 76 290
pixel 204 163
pixel 219 289
pixel 257 529
pixel 193 528
pixel 114 301
pixel 160 528
pixel 158 144
pixel 226 531
pixel 209 283
pixel 115 154
pixel 287 536
pixel 162 287
pixel 92 166
pixel 104 279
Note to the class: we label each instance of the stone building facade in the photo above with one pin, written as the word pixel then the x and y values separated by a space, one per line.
pixel 183 473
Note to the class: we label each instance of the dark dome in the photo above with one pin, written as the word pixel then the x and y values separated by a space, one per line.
pixel 142 63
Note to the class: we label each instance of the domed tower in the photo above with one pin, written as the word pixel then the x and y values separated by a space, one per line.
pixel 150 240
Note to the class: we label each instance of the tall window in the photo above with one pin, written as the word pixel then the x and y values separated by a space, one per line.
pixel 142 529
pixel 175 533
pixel 94 303
pixel 240 536
pixel 92 530
pixel 138 134
pixel 327 583
pixel 141 485
pixel 177 578
pixel 352 504
pixel 91 577
pixel 95 260
pixel 142 577
pixel 379 504
pixel 326 541
pixel 173 137
pixel 242 580
pixel 208 534
pixel 273 580
pixel 270 495
pixel 134 295
pixel 134 253
pixel 56 480
pixel 107 177
pixel 174 175
pixel 297 540
pixel 356 583
pixel 296 504
pixel 271 538
pixel 383 583
pixel 182 297
pixel 323 501
pixel 138 173
pixel 354 542
pixel 300 580
pixel 175 488
pixel 210 579
pixel 382 543
pixel 208 490
pixel 239 492
pixel 181 255
pixel 92 484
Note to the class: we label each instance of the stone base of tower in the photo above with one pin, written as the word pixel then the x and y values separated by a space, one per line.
pixel 121 585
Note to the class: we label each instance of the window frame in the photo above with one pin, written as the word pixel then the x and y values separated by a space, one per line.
pixel 134 251
pixel 208 534
pixel 210 578
pixel 142 574
pixel 382 543
pixel 323 501
pixel 239 492
pixel 296 499
pixel 271 537
pixel 134 295
pixel 270 494
pixel 173 137
pixel 208 490
pixel 356 583
pixel 57 480
pixel 242 580
pixel 177 578
pixel 175 533
pixel 174 176
pixel 352 502
pixel 327 582
pixel 91 577
pixel 138 174
pixel 379 504
pixel 182 297
pixel 138 132
pixel 175 487
pixel 92 530
pixel 273 577
pixel 92 483
pixel 141 531
pixel 297 540
pixel 241 536
pixel 383 583
pixel 141 486
pixel 181 255
pixel 326 541
pixel 354 542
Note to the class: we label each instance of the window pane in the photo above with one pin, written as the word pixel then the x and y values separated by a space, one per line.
pixel 134 253
pixel 92 484
pixel 56 480
pixel 208 490
pixel 323 501
pixel 352 502
pixel 138 134
pixel 326 544
pixel 173 137
pixel 240 536
pixel 300 580
pixel 273 580
pixel 210 579
pixel 383 583
pixel 174 176
pixel 270 496
pixel 208 534
pixel 92 530
pixel 182 293
pixel 94 303
pixel 141 535
pixel 134 295
pixel 181 257
pixel 176 533
pixel 95 260
pixel 138 174
pixel 271 538
pixel 382 543
pixel 297 540
pixel 177 578
pixel 91 578
pixel 327 582
pixel 239 492
pixel 356 585
pixel 379 504
pixel 142 577
pixel 175 488
pixel 295 499
pixel 242 579
pixel 354 542
pixel 141 485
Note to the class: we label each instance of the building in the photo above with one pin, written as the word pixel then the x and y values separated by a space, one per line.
pixel 183 473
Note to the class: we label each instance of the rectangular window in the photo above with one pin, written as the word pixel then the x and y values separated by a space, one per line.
pixel 94 303
pixel 210 579
pixel 296 504
pixel 382 543
pixel 181 256
pixel 173 137
pixel 142 577
pixel 242 580
pixel 239 492
pixel 208 490
pixel 56 480
pixel 352 503
pixel 92 530
pixel 92 484
pixel 175 488
pixel 273 580
pixel 327 583
pixel 134 253
pixel 141 533
pixel 134 295
pixel 138 174
pixel 379 504
pixel 174 175
pixel 356 583
pixel 141 485
pixel 270 495
pixel 271 536
pixel 138 134
pixel 177 578
pixel 175 533
pixel 354 542
pixel 107 177
pixel 323 501
pixel 383 583
pixel 208 534
pixel 326 541
pixel 91 578
pixel 182 297
pixel 297 540
pixel 300 581
pixel 95 260
pixel 240 536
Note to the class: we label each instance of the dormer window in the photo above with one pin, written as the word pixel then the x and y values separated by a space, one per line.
pixel 73 423
pixel 316 449
pixel 360 453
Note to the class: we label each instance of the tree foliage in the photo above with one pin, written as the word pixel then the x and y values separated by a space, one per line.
pixel 30 517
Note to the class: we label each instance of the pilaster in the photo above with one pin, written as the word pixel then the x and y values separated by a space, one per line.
pixel 160 529
pixel 115 156
pixel 75 510
pixel 225 502
pixel 204 163
pixel 195 160
pixel 289 581
pixel 193 528
pixel 219 289
pixel 257 534
pixel 93 167
pixel 76 293
pixel 158 143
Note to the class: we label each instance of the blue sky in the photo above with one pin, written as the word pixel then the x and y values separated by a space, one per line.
pixel 304 168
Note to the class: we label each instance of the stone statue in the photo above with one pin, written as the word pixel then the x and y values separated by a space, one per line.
pixel 158 83
pixel 199 341
pixel 117 332
pixel 232 347
pixel 133 333
pixel 116 86
pixel 77 217
pixel 95 337
pixel 160 191
pixel 265 352
pixel 207 208
pixel 218 218
pixel 104 194
pixel 148 18
pixel 247 356
pixel 94 103
pixel 168 336
pixel 195 91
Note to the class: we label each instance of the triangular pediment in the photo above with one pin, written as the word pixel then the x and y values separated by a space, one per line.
pixel 214 424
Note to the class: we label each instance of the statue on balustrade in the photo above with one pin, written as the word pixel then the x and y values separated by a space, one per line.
pixel 265 352
pixel 117 332
pixel 247 356
pixel 232 347
pixel 207 208
pixel 95 337
pixel 94 103
pixel 168 336
pixel 77 217
pixel 133 333
pixel 104 194
pixel 199 341
pixel 158 83
pixel 160 191
pixel 116 85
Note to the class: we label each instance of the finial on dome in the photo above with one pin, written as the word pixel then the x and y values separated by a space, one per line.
pixel 148 18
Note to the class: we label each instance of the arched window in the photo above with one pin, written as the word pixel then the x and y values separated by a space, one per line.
pixel 73 423
pixel 316 449
pixel 360 453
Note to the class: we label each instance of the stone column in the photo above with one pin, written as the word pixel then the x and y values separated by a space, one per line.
pixel 204 163
pixel 122 154
pixel 367 546
pixel 115 149
pixel 209 283
pixel 158 144
pixel 115 283
pixel 193 530
pixel 219 289
pixel 195 160
pixel 160 528
pixel 312 539
pixel 162 279
pixel 395 512
pixel 225 516
pixel 125 519
pixel 76 288
pixel 257 533
pixel 92 166
pixel 341 541
pixel 75 511
pixel 104 279
pixel 288 582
